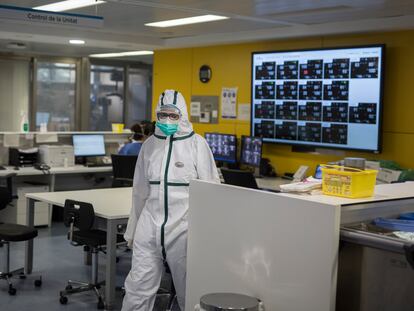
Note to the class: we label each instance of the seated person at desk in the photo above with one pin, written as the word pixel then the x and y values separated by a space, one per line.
pixel 148 127
pixel 141 133
pixel 134 146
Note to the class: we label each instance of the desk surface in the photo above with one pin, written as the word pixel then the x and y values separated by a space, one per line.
pixel 110 203
pixel 77 169
pixel 104 200
pixel 385 192
pixel 113 203
pixel 271 183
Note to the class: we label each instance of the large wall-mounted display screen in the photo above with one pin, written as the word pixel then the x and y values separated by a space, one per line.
pixel 324 98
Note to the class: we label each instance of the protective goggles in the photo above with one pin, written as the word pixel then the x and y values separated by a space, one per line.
pixel 173 116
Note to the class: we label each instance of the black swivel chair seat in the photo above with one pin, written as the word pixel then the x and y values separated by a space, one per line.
pixel 16 233
pixel 92 238
pixel 13 233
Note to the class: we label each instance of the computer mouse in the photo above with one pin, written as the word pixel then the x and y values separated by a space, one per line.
pixel 16 168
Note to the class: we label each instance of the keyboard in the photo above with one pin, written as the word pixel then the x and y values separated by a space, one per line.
pixel 97 164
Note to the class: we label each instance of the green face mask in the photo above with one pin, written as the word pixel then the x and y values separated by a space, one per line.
pixel 167 129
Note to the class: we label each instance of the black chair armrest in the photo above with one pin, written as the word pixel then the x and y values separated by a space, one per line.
pixel 9 184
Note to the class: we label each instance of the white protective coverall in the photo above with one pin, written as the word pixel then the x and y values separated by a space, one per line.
pixel 158 219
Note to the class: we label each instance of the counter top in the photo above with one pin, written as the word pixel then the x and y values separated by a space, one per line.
pixel 384 192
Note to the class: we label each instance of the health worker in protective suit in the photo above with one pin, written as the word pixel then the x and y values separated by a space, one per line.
pixel 157 227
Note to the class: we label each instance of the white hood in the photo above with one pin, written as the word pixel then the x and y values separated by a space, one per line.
pixel 176 99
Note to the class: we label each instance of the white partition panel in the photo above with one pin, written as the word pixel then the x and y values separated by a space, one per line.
pixel 282 250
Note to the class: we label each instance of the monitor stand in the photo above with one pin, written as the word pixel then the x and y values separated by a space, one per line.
pixel 80 160
pixel 256 172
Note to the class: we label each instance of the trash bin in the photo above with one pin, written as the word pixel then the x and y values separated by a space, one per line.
pixel 228 301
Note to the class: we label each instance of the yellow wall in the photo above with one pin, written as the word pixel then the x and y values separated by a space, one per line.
pixel 231 67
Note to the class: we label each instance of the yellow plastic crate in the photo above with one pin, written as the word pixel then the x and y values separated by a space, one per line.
pixel 348 182
pixel 117 127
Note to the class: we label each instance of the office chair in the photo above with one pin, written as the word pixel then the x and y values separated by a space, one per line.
pixel 123 167
pixel 239 178
pixel 80 217
pixel 13 233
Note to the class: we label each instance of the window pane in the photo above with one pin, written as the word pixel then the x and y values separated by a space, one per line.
pixel 106 99
pixel 56 96
pixel 14 93
pixel 139 88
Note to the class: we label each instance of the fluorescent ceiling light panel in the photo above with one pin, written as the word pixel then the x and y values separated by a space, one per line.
pixel 77 41
pixel 67 5
pixel 187 21
pixel 122 54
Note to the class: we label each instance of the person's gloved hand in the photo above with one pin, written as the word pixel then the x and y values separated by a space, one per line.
pixel 130 243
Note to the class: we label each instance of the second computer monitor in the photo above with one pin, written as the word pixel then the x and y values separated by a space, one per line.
pixel 223 146
pixel 88 145
pixel 251 151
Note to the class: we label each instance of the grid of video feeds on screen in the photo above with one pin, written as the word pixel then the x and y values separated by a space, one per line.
pixel 251 151
pixel 327 97
pixel 223 146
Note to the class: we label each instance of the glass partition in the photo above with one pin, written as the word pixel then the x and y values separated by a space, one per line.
pixel 106 97
pixel 14 93
pixel 55 95
pixel 139 95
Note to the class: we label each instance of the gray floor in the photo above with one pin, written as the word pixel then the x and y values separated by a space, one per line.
pixel 57 261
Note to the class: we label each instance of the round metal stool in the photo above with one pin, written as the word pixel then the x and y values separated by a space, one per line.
pixel 228 301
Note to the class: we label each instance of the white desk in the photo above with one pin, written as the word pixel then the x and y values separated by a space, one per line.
pixel 50 178
pixel 77 169
pixel 281 248
pixel 388 200
pixel 112 207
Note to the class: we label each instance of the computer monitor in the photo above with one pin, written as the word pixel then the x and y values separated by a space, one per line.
pixel 88 145
pixel 251 151
pixel 223 146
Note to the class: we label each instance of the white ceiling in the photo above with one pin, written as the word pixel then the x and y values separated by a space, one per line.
pixel 250 20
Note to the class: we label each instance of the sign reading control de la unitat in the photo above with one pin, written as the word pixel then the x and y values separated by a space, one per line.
pixel 57 18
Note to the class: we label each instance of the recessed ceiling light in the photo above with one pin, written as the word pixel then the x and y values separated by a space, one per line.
pixel 122 54
pixel 67 5
pixel 76 41
pixel 16 45
pixel 187 21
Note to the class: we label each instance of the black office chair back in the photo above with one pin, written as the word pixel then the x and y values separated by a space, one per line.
pixel 123 167
pixel 6 193
pixel 239 178
pixel 78 214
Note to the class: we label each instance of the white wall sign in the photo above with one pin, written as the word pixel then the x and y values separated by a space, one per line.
pixel 243 112
pixel 195 109
pixel 57 18
pixel 228 102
